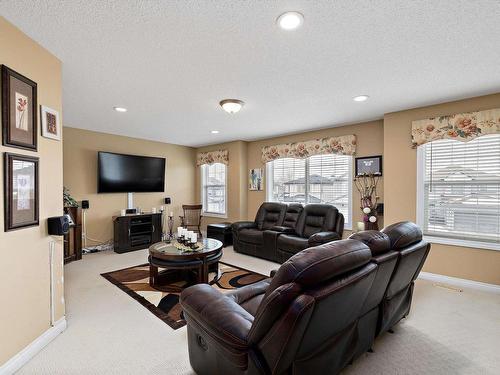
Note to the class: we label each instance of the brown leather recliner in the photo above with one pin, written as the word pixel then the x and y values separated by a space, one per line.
pixel 317 224
pixel 303 320
pixel 385 258
pixel 280 230
pixel 248 236
pixel 321 309
pixel 406 240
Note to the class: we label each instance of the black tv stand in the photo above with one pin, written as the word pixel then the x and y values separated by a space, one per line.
pixel 136 232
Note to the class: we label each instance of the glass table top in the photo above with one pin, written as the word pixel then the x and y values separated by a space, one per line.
pixel 207 245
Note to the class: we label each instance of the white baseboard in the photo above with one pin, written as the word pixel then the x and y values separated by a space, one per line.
pixel 24 356
pixel 461 283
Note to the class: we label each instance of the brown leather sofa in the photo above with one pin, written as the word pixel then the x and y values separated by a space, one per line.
pixel 320 310
pixel 280 230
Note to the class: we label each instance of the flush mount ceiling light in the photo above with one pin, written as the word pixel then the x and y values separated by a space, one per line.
pixel 120 109
pixel 290 20
pixel 360 98
pixel 214 131
pixel 231 105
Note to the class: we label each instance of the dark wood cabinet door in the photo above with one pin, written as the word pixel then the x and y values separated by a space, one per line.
pixel 157 229
pixel 122 234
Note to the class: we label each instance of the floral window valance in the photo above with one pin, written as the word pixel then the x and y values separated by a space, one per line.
pixel 219 156
pixel 344 145
pixel 461 127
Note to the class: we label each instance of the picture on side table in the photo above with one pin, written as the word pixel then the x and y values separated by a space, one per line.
pixel 369 165
pixel 255 179
pixel 19 110
pixel 20 191
pixel 50 123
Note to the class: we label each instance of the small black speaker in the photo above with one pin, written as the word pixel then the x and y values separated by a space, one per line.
pixel 168 200
pixel 58 225
pixel 85 204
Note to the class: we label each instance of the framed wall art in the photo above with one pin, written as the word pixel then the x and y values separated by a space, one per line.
pixel 19 110
pixel 256 179
pixel 20 191
pixel 49 118
pixel 369 165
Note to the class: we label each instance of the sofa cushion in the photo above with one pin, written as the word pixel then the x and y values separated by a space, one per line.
pixel 292 244
pixel 269 215
pixel 403 234
pixel 321 263
pixel 253 236
pixel 292 215
pixel 317 218
pixel 378 242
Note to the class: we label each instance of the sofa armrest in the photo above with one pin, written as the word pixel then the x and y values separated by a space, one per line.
pixel 239 225
pixel 246 293
pixel 219 316
pixel 323 237
pixel 281 229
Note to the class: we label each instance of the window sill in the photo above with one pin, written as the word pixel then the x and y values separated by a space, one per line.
pixel 462 243
pixel 211 214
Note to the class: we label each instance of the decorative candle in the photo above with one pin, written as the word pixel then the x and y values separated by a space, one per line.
pixel 171 214
pixel 179 231
pixel 194 238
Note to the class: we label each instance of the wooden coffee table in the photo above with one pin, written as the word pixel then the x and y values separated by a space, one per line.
pixel 184 268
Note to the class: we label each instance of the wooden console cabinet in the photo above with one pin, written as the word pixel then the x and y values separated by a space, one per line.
pixel 135 232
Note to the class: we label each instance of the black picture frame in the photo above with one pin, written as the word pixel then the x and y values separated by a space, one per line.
pixel 11 135
pixel 9 201
pixel 362 167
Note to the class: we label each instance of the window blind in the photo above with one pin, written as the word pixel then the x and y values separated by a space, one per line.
pixel 214 188
pixel 317 179
pixel 330 181
pixel 288 182
pixel 461 189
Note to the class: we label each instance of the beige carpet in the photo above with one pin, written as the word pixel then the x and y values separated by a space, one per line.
pixel 110 333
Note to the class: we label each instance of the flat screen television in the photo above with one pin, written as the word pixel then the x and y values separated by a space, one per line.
pixel 120 173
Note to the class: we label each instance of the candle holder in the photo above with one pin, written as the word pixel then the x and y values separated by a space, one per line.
pixel 170 227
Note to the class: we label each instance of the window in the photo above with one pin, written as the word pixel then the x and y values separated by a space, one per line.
pixel 459 191
pixel 317 179
pixel 213 177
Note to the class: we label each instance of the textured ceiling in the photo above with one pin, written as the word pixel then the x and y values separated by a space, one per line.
pixel 170 62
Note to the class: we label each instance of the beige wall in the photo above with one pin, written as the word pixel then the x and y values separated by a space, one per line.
pixel 400 162
pixel 370 142
pixel 80 176
pixel 24 253
pixel 236 182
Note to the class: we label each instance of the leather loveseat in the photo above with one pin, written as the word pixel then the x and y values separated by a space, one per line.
pixel 320 310
pixel 280 230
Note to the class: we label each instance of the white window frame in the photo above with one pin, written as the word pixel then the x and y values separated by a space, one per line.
pixel 203 197
pixel 270 183
pixel 421 215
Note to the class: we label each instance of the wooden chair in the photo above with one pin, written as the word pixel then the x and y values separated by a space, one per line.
pixel 192 217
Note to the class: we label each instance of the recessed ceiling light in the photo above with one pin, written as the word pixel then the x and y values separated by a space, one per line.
pixel 231 105
pixel 290 20
pixel 120 109
pixel 214 131
pixel 360 98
